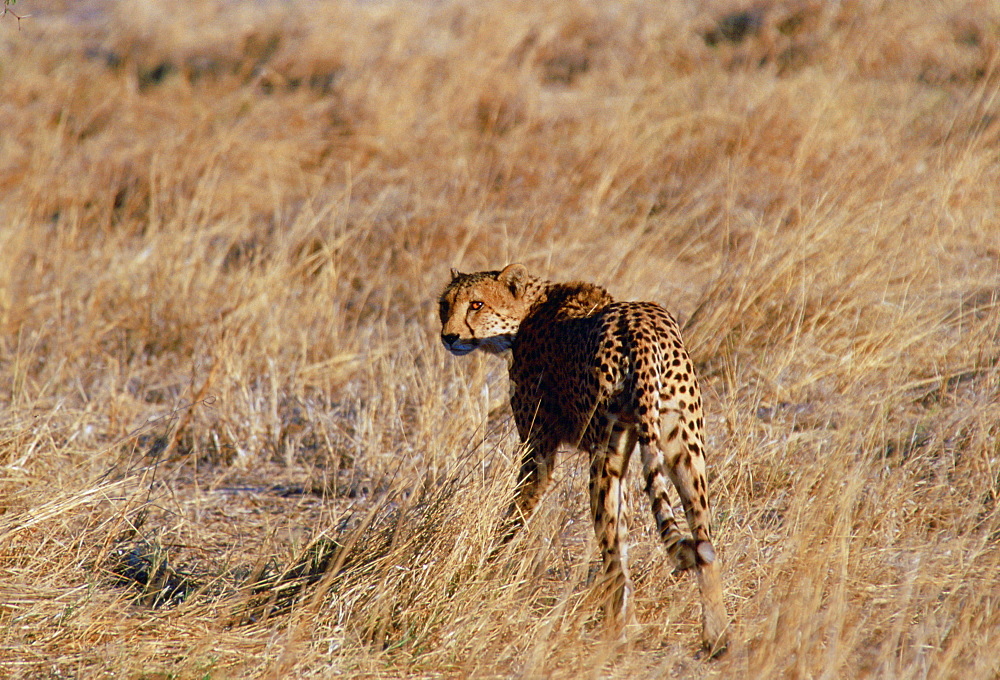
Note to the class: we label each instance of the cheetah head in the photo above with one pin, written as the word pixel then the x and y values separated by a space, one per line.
pixel 484 310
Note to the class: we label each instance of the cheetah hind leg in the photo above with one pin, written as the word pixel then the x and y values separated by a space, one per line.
pixel 685 465
pixel 714 620
pixel 610 517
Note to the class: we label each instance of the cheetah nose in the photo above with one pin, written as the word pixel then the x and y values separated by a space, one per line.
pixel 449 339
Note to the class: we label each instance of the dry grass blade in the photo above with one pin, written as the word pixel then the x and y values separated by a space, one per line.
pixel 223 229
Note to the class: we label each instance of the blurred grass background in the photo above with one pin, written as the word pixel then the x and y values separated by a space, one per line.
pixel 223 229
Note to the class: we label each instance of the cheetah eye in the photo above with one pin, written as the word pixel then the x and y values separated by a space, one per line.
pixel 475 305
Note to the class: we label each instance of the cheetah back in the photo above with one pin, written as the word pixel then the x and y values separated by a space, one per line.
pixel 575 373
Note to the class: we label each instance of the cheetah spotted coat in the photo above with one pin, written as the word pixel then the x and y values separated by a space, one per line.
pixel 602 376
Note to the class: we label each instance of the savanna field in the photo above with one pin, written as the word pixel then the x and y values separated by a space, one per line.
pixel 233 446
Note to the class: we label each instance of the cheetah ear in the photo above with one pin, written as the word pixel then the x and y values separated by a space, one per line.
pixel 455 273
pixel 514 276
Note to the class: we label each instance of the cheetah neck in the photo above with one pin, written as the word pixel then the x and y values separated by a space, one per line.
pixel 536 291
pixel 572 300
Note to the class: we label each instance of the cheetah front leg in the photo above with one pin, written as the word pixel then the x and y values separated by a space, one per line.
pixel 607 505
pixel 679 452
pixel 537 464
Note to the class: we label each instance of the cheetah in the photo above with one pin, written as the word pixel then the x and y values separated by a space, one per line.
pixel 602 376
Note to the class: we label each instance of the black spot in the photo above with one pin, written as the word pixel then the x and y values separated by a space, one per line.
pixel 650 478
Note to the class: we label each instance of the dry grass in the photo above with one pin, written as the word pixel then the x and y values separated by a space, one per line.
pixel 223 227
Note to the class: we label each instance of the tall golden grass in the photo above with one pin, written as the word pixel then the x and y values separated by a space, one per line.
pixel 223 228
